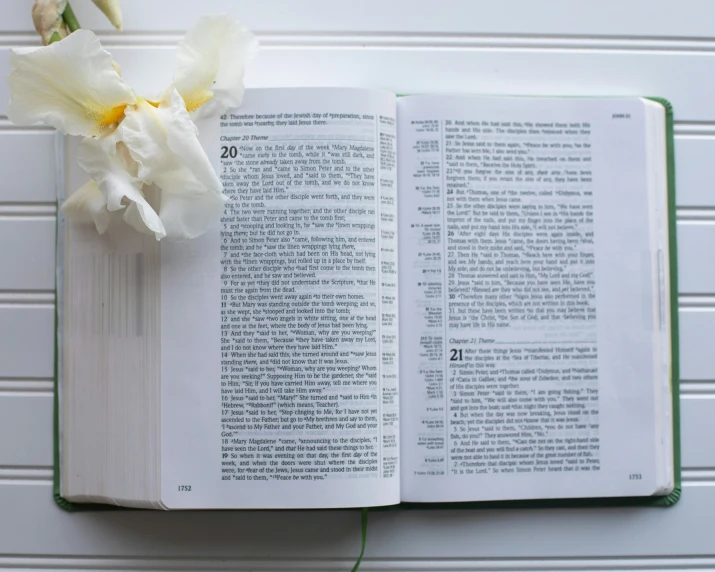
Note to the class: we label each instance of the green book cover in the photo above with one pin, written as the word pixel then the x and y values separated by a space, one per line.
pixel 668 500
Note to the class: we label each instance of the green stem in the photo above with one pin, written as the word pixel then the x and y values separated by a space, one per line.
pixel 70 19
pixel 55 37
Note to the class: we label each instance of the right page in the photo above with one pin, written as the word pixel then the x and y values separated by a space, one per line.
pixel 533 299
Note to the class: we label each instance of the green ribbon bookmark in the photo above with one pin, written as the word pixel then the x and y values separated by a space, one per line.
pixel 364 538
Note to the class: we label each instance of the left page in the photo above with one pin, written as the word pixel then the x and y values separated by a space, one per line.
pixel 279 329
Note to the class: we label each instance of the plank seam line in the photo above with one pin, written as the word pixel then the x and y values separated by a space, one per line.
pixel 688 389
pixel 699 474
pixel 694 390
pixel 34 298
pixel 688 215
pixel 29 468
pixel 446 564
pixel 109 33
pixel 47 210
pixel 27 305
pixel 430 40
pixel 690 477
pixel 361 46
pixel 686 128
pixel 693 471
pixel 695 301
pixel 26 204
pixel 27 217
pixel 28 209
pixel 45 291
pixel 46 392
pixel 24 378
pixel 41 386
pixel 695 214
pixel 614 560
pixel 34 474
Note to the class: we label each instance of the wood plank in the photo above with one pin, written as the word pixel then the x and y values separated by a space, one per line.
pixel 25 430
pixel 683 78
pixel 609 17
pixel 27 348
pixel 697 425
pixel 697 332
pixel 39 527
pixel 693 171
pixel 696 259
pixel 27 163
pixel 27 253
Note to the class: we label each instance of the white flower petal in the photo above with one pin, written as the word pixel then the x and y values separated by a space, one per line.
pixel 143 134
pixel 135 216
pixel 189 216
pixel 182 136
pixel 112 172
pixel 164 141
pixel 211 63
pixel 164 144
pixel 87 204
pixel 109 170
pixel 70 85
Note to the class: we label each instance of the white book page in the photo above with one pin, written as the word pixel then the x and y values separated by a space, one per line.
pixel 528 298
pixel 279 329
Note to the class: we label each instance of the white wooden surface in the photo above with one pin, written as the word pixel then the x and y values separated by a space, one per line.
pixel 640 47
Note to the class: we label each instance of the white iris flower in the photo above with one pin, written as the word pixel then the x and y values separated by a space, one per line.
pixel 132 144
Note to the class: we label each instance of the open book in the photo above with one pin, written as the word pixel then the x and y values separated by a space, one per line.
pixel 408 299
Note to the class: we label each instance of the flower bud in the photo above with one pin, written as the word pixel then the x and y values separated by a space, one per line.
pixel 111 10
pixel 47 17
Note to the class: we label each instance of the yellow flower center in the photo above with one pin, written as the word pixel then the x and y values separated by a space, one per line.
pixel 198 99
pixel 191 104
pixel 108 116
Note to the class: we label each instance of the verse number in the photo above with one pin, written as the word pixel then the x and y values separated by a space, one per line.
pixel 635 477
pixel 229 152
pixel 455 355
pixel 184 488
